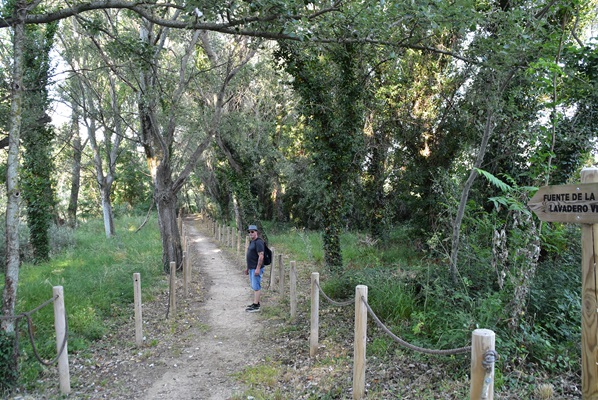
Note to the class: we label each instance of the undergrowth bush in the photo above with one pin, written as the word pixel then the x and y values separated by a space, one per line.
pixel 8 372
pixel 419 302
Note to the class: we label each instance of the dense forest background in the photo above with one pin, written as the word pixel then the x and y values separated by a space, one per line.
pixel 442 118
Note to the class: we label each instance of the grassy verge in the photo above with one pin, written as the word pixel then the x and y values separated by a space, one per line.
pixel 97 277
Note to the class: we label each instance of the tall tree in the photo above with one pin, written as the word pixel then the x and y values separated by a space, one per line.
pixel 329 80
pixel 77 151
pixel 37 134
pixel 11 276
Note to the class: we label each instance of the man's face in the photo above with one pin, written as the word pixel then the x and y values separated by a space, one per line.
pixel 253 235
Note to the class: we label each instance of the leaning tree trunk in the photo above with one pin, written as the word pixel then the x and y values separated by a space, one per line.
pixel 493 105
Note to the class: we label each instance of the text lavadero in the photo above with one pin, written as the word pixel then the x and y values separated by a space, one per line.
pixel 567 203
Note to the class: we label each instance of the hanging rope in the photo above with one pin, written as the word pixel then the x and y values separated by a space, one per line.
pixel 27 315
pixel 409 345
pixel 336 303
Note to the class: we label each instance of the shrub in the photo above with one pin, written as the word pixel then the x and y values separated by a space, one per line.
pixel 8 371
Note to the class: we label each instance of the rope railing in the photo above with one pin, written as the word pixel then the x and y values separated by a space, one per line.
pixel 404 343
pixel 336 303
pixel 27 316
pixel 483 355
pixel 61 327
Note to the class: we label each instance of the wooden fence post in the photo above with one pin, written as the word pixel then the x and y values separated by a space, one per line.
pixel 280 275
pixel 361 324
pixel 293 290
pixel 315 314
pixel 60 327
pixel 482 340
pixel 172 304
pixel 138 315
pixel 238 243
pixel 589 304
pixel 244 264
pixel 273 270
pixel 185 283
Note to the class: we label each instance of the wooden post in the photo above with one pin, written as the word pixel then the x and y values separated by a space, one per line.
pixel 361 324
pixel 272 271
pixel 246 246
pixel 238 243
pixel 185 283
pixel 293 290
pixel 589 305
pixel 189 264
pixel 482 340
pixel 138 315
pixel 172 304
pixel 60 327
pixel 315 314
pixel 280 274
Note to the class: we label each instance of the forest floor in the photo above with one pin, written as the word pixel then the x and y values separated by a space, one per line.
pixel 214 350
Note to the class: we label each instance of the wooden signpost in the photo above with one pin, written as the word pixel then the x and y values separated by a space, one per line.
pixel 579 204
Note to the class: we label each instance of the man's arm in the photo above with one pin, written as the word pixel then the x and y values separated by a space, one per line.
pixel 260 262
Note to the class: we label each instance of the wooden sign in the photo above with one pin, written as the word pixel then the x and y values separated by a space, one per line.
pixel 567 203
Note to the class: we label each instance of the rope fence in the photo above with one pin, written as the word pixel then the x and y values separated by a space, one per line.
pixel 61 328
pixel 482 348
pixel 410 346
pixel 482 351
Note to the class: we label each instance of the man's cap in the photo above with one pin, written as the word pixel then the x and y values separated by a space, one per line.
pixel 252 228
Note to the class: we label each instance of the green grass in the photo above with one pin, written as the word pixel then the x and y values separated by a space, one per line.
pixel 97 279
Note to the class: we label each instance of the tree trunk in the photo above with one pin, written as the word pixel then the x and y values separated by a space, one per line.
pixel 107 213
pixel 332 230
pixel 75 171
pixel 104 181
pixel 166 200
pixel 11 278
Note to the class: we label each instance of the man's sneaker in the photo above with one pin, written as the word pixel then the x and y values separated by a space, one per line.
pixel 253 308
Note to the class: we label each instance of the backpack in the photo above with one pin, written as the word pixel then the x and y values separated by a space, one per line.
pixel 267 255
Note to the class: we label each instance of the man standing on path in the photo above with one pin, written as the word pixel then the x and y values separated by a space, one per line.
pixel 255 266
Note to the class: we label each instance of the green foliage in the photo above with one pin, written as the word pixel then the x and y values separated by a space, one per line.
pixel 132 186
pixel 8 372
pixel 413 296
pixel 328 79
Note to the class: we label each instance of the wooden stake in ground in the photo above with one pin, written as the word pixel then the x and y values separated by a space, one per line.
pixel 60 327
pixel 172 304
pixel 361 326
pixel 138 314
pixel 482 383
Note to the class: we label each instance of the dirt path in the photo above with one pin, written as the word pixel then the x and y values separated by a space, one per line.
pixel 228 335
pixel 192 356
